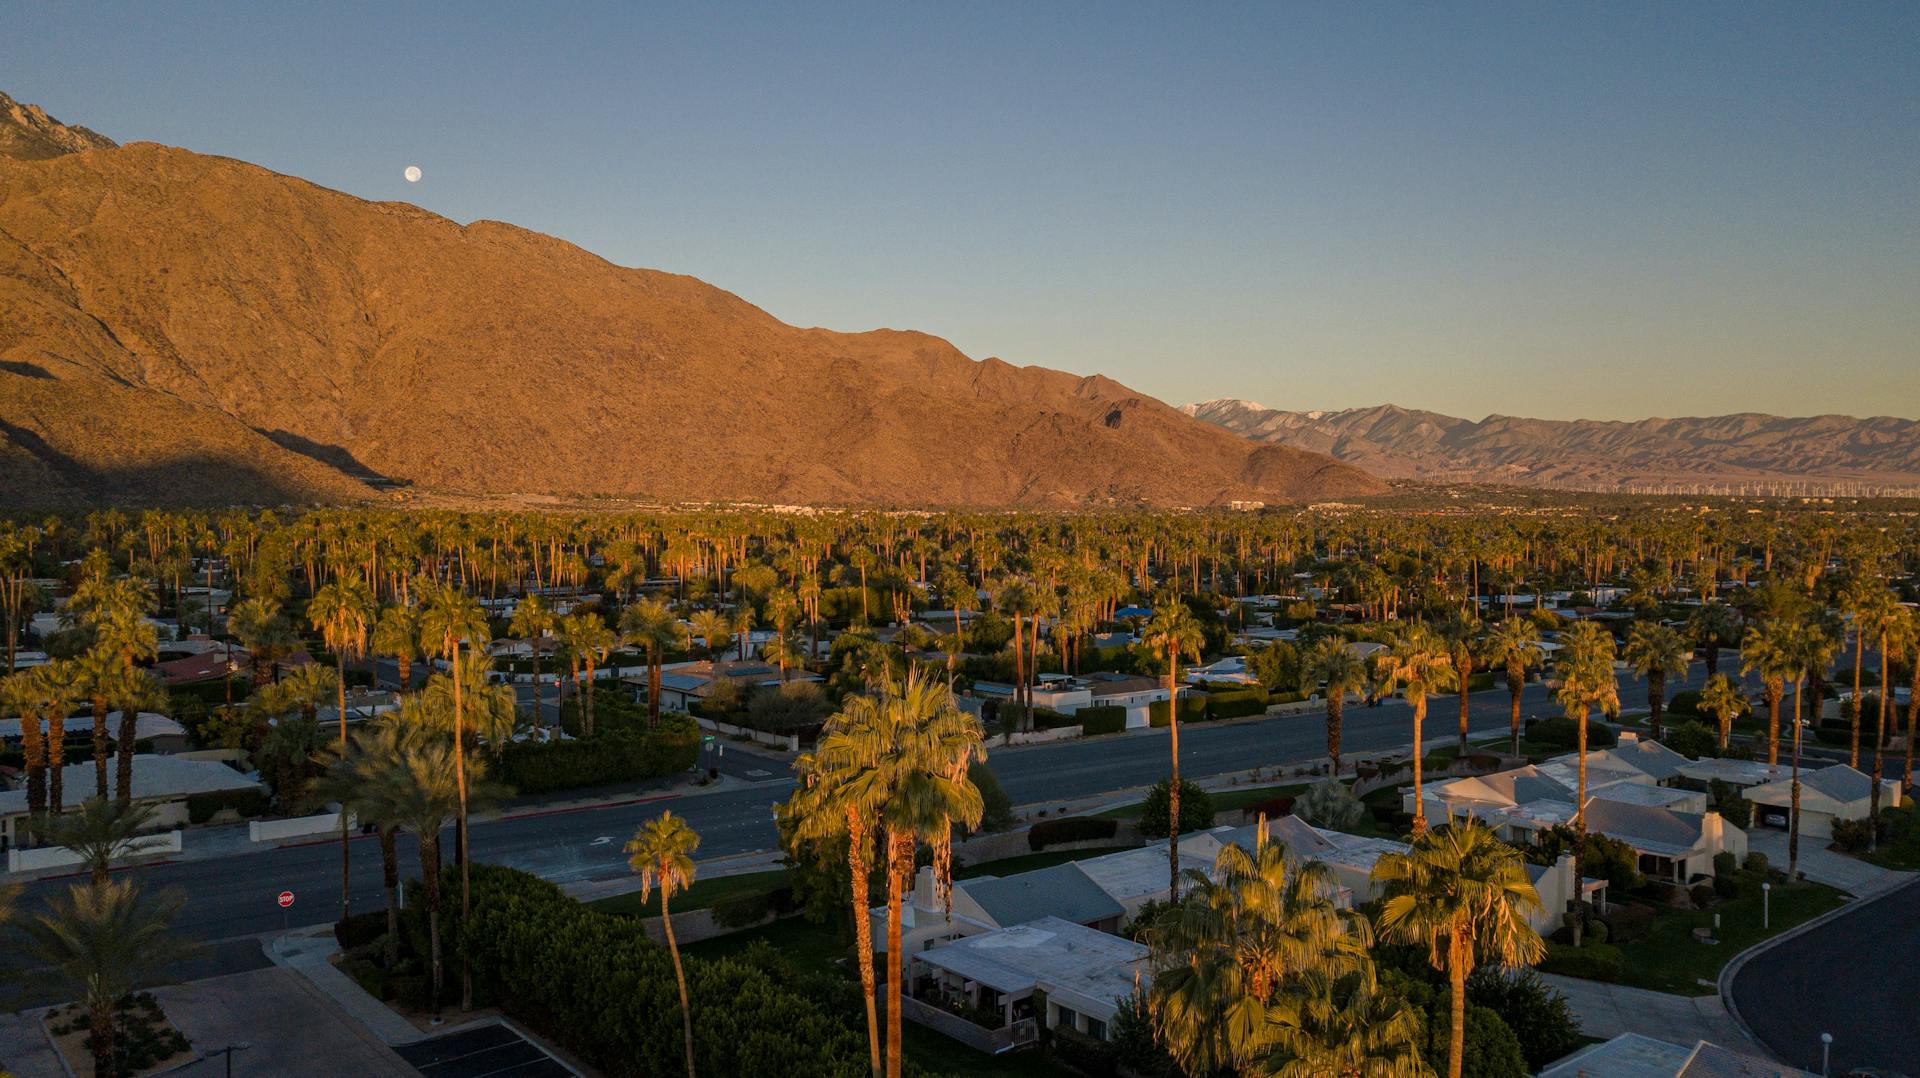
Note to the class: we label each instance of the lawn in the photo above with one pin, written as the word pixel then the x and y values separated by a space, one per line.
pixel 703 894
pixel 1231 799
pixel 1901 850
pixel 1671 960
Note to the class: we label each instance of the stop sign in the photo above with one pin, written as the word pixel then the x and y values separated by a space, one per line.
pixel 285 899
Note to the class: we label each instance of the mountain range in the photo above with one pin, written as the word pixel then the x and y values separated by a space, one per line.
pixel 183 327
pixel 1746 452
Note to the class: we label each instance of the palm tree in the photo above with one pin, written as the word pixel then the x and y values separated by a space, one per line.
pixel 1655 652
pixel 1901 636
pixel 825 809
pixel 490 711
pixel 1714 624
pixel 20 694
pixel 341 612
pixel 1419 664
pixel 1863 601
pixel 1228 952
pixel 1725 700
pixel 1812 649
pixel 534 619
pixel 1767 650
pixel 133 691
pixel 1514 646
pixel 397 635
pixel 903 755
pixel 651 624
pixel 588 641
pixel 428 789
pixel 1344 1026
pixel 1880 616
pixel 1331 662
pixel 1174 634
pixel 661 851
pixel 1465 896
pixel 61 687
pixel 1461 632
pixel 105 940
pixel 102 678
pixel 448 619
pixel 98 833
pixel 712 626
pixel 1585 667
pixel 367 782
pixel 266 634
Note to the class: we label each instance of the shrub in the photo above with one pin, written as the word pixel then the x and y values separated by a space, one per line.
pixel 1630 922
pixel 1074 829
pixel 1330 803
pixel 743 908
pixel 1562 732
pixel 1106 719
pixel 1853 836
pixel 1726 800
pixel 1594 962
pixel 1692 740
pixel 1196 809
pixel 998 807
pixel 1756 863
pixel 1541 1021
pixel 602 760
pixel 1725 864
pixel 248 803
pixel 1193 708
pixel 1701 894
pixel 1232 705
pixel 360 929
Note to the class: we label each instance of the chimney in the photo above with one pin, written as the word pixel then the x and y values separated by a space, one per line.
pixel 1629 737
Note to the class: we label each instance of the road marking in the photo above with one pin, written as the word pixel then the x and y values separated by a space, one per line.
pixel 757 773
pixel 601 841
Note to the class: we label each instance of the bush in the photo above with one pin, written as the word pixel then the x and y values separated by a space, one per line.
pixel 1105 719
pixel 1693 740
pixel 1330 803
pixel 1233 705
pixel 1853 836
pixel 1594 962
pixel 360 929
pixel 1701 894
pixel 1630 922
pixel 998 807
pixel 1491 1048
pixel 1538 1015
pixel 248 803
pixel 595 984
pixel 1725 799
pixel 607 758
pixel 1561 732
pixel 1193 708
pixel 1725 864
pixel 1073 829
pixel 1196 809
pixel 743 908
pixel 1756 863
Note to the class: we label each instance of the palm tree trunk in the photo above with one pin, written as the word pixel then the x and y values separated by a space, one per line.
pixel 1773 725
pixel 346 858
pixel 1913 719
pixel 1457 979
pixel 1515 686
pixel 430 883
pixel 460 778
pixel 1173 783
pixel 653 685
pixel 1580 797
pixel 1793 817
pixel 1419 797
pixel 34 749
pixel 857 866
pixel 100 1024
pixel 123 762
pixel 100 747
pixel 57 758
pixel 1859 645
pixel 1336 703
pixel 1656 699
pixel 899 866
pixel 680 975
pixel 390 876
pixel 1879 743
pixel 1464 673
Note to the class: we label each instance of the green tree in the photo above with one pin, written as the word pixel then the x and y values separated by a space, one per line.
pixel 1713 625
pixel 1461 633
pixel 1419 664
pixel 449 618
pixel 1172 634
pixel 1585 667
pixel 1725 702
pixel 342 613
pixel 661 851
pixel 534 619
pixel 1655 652
pixel 1331 663
pixel 1514 647
pixel 649 623
pixel 99 832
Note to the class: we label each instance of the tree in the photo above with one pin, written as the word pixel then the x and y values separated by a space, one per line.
pixel 650 624
pixel 104 940
pixel 661 851
pixel 1341 1025
pixel 712 627
pixel 903 755
pixel 1767 650
pixel 1712 625
pixel 1725 702
pixel 341 612
pixel 266 634
pixel 1810 650
pixel 1332 664
pixel 20 695
pixel 61 686
pixel 1465 896
pixel 368 782
pixel 1461 632
pixel 588 641
pixel 448 619
pixel 98 833
pixel 1172 634
pixel 1419 665
pixel 829 807
pixel 1881 616
pixel 534 619
pixel 1514 646
pixel 1585 667
pixel 397 635
pixel 1656 653
pixel 429 787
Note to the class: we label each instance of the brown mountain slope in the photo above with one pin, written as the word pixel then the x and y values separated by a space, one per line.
pixel 27 133
pixel 223 312
pixel 1731 452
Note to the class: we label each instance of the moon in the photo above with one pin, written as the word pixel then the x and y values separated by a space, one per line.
pixel 413 174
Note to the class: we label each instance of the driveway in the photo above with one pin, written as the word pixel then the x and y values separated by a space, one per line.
pixel 1849 874
pixel 290 1027
pixel 1608 1010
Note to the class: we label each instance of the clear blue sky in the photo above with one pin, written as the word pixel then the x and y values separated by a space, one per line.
pixel 1609 210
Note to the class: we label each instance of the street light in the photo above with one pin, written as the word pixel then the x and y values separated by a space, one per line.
pixel 1826 1053
pixel 228 1052
pixel 1766 906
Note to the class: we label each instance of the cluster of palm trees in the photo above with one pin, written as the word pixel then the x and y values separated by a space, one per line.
pixel 1257 972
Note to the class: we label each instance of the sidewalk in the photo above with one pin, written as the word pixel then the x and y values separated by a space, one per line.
pixel 1821 865
pixel 1608 1010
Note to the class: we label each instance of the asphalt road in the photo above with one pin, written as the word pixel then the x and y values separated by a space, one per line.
pixel 1856 977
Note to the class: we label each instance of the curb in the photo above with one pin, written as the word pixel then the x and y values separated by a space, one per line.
pixel 1739 961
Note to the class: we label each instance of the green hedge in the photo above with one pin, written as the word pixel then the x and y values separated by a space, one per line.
pixel 595 983
pixel 248 803
pixel 1233 705
pixel 602 760
pixel 1192 709
pixel 1070 829
pixel 1106 719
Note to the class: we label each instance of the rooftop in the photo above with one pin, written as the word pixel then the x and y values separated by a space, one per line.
pixel 1047 951
pixel 154 777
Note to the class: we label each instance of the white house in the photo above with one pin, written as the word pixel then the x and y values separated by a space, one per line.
pixel 1831 793
pixel 1636 1055
pixel 165 782
pixel 990 982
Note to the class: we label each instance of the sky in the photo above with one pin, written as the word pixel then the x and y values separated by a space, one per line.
pixel 1594 210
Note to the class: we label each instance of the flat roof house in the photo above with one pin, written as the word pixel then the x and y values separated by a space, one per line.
pixel 982 990
pixel 164 782
pixel 985 903
pixel 1831 793
pixel 1635 1055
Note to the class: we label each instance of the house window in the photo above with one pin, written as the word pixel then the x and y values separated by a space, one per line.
pixel 1066 1017
pixel 1096 1029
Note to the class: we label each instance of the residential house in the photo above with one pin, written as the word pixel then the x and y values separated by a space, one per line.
pixel 985 903
pixel 1635 1055
pixel 985 989
pixel 156 732
pixel 1831 793
pixel 165 782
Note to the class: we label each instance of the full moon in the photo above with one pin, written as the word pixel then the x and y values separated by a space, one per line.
pixel 413 173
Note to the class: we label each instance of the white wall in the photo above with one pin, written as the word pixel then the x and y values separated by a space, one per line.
pixel 326 823
pixel 60 857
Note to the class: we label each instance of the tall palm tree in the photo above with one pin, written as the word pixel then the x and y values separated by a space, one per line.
pixel 397 636
pixel 1655 652
pixel 1725 701
pixel 826 809
pixel 105 940
pixel 1902 637
pixel 102 678
pixel 534 619
pixel 1882 618
pixel 428 790
pixel 1514 646
pixel 1230 950
pixel 1585 667
pixel 367 782
pixel 661 851
pixel 1767 649
pixel 1344 1026
pixel 20 695
pixel 1332 663
pixel 61 684
pixel 713 627
pixel 903 754
pixel 266 634
pixel 98 833
pixel 489 709
pixel 1465 896
pixel 650 623
pixel 1419 664
pixel 450 618
pixel 589 641
pixel 1863 601
pixel 1461 632
pixel 1173 634
pixel 1812 647
pixel 1714 624
pixel 341 612
pixel 133 691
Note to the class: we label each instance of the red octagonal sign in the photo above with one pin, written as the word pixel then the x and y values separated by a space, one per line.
pixel 286 899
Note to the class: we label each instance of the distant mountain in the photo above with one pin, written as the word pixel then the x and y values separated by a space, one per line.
pixel 185 327
pixel 1726 453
